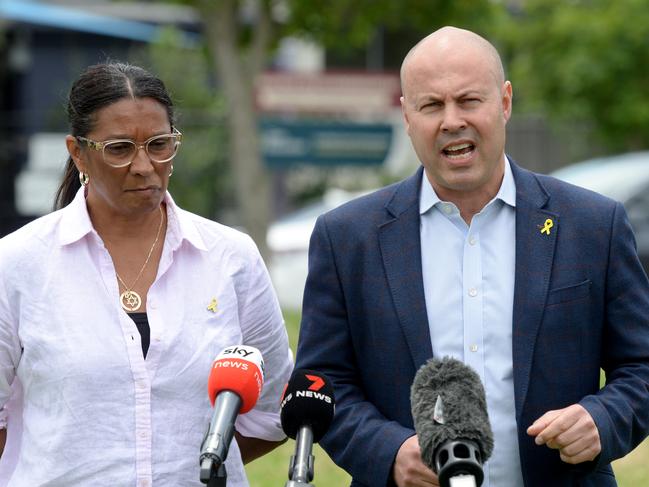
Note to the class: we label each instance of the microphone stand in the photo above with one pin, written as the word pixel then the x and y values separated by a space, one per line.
pixel 217 477
pixel 460 466
pixel 218 437
pixel 300 471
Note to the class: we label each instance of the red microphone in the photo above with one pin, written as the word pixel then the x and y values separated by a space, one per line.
pixel 234 385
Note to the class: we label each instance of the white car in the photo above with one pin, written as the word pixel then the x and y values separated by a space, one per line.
pixel 621 177
pixel 624 178
pixel 288 241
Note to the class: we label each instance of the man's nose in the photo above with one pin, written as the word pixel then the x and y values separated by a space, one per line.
pixel 453 119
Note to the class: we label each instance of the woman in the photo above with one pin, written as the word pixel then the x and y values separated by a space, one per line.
pixel 113 308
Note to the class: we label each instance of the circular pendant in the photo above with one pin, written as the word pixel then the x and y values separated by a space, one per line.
pixel 130 300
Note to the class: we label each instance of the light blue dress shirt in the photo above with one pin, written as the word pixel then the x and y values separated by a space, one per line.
pixel 468 273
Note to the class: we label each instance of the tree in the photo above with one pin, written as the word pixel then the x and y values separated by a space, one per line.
pixel 240 53
pixel 352 23
pixel 584 61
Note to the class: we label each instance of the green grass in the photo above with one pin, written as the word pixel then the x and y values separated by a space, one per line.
pixel 632 470
pixel 272 469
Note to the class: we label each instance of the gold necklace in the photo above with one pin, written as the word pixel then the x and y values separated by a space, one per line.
pixel 129 299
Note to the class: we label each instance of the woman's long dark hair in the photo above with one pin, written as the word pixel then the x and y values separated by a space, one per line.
pixel 99 86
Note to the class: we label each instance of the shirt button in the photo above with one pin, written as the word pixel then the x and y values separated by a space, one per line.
pixel 472 240
pixel 143 483
pixel 143 435
pixel 448 209
pixel 473 292
pixel 473 348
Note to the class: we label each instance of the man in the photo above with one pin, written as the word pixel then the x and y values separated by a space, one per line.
pixel 534 283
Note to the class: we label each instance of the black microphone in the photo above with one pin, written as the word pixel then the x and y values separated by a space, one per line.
pixel 306 413
pixel 450 414
pixel 234 385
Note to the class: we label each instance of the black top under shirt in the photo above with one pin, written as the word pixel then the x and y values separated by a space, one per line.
pixel 142 322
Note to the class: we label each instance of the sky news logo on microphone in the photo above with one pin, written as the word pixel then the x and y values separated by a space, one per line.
pixel 239 350
pixel 235 368
pixel 240 356
pixel 245 352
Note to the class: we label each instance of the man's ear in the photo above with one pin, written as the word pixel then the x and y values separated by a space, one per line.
pixel 507 100
pixel 406 122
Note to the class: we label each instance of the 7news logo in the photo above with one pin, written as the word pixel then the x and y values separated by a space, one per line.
pixel 311 391
pixel 317 382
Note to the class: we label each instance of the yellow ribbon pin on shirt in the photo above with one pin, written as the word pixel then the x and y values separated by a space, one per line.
pixel 212 306
pixel 547 226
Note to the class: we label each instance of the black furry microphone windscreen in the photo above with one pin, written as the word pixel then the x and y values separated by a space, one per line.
pixel 308 401
pixel 464 415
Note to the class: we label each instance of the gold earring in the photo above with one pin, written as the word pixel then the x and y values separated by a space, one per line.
pixel 83 178
pixel 171 170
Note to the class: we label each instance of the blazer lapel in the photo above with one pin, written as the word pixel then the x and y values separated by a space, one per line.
pixel 399 240
pixel 536 234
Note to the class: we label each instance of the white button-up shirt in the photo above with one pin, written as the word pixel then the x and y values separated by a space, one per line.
pixel 468 273
pixel 94 411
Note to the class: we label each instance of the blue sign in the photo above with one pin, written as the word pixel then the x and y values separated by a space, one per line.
pixel 324 143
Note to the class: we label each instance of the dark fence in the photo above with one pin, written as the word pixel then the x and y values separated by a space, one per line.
pixel 541 148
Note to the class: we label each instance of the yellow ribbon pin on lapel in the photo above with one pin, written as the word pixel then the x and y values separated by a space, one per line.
pixel 547 226
pixel 212 306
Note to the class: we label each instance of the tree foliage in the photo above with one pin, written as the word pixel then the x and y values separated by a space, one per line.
pixel 352 23
pixel 584 61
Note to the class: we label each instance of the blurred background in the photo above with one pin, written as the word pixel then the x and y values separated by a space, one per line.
pixel 291 107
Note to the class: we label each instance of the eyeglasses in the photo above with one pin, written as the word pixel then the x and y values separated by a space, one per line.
pixel 121 152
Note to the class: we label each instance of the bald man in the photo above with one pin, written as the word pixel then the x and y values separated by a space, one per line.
pixel 534 283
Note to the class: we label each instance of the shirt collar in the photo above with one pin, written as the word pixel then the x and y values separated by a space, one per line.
pixel 180 226
pixel 76 223
pixel 75 220
pixel 507 192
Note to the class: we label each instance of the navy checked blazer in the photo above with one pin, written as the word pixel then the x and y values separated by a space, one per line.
pixel 581 303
